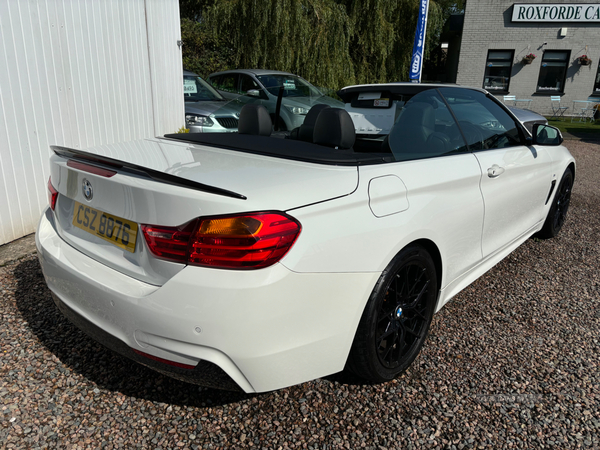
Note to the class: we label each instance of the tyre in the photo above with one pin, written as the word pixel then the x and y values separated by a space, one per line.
pixel 396 320
pixel 559 208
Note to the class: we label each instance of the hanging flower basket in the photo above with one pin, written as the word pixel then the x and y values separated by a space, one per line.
pixel 584 60
pixel 528 59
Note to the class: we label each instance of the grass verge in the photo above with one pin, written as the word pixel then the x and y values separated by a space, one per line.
pixel 580 130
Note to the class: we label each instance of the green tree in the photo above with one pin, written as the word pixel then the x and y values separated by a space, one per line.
pixel 384 32
pixel 192 9
pixel 329 42
pixel 307 37
pixel 202 52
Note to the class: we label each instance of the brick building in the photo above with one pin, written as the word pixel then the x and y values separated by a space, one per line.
pixel 498 36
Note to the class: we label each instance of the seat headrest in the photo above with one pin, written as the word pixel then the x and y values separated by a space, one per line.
pixel 306 130
pixel 313 113
pixel 255 120
pixel 334 128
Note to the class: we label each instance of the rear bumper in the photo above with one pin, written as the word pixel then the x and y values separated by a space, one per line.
pixel 204 373
pixel 265 329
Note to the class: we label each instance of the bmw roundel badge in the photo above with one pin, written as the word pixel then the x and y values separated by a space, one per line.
pixel 86 186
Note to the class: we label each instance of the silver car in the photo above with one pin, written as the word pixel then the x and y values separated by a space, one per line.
pixel 207 111
pixel 262 87
pixel 528 118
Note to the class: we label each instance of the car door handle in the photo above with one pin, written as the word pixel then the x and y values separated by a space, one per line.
pixel 495 171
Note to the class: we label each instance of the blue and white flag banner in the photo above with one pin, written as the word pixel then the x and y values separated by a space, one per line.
pixel 416 63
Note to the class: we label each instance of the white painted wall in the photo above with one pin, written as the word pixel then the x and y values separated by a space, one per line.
pixel 79 73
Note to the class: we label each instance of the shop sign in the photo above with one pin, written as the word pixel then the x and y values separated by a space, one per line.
pixel 556 12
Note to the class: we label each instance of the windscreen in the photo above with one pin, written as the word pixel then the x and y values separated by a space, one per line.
pixel 195 89
pixel 293 86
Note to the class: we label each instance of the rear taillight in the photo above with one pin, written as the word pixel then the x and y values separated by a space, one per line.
pixel 169 242
pixel 52 194
pixel 245 241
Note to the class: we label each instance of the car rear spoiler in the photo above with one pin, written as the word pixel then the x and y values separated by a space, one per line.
pixel 140 171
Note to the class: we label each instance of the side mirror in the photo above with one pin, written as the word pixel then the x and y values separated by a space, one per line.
pixel 546 135
pixel 253 93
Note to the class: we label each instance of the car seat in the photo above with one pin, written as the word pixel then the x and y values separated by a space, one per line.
pixel 305 131
pixel 255 120
pixel 334 128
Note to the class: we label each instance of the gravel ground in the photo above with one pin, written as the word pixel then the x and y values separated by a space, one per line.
pixel 511 362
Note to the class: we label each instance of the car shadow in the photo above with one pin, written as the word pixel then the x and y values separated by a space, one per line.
pixel 107 369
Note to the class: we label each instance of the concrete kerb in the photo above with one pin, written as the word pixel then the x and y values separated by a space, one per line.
pixel 17 249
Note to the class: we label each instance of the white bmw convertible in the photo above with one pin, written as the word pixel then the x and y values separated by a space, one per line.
pixel 262 259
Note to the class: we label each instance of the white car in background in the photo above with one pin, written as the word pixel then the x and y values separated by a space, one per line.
pixel 257 261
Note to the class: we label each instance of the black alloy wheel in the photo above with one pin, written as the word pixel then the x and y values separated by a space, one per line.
pixel 402 315
pixel 396 319
pixel 559 208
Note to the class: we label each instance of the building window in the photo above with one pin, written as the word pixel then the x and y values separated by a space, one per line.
pixel 497 70
pixel 597 83
pixel 553 71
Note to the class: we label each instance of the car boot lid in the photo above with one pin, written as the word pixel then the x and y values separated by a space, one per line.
pixel 260 182
pixel 170 183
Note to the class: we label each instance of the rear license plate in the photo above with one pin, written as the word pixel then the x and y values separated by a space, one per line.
pixel 116 230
